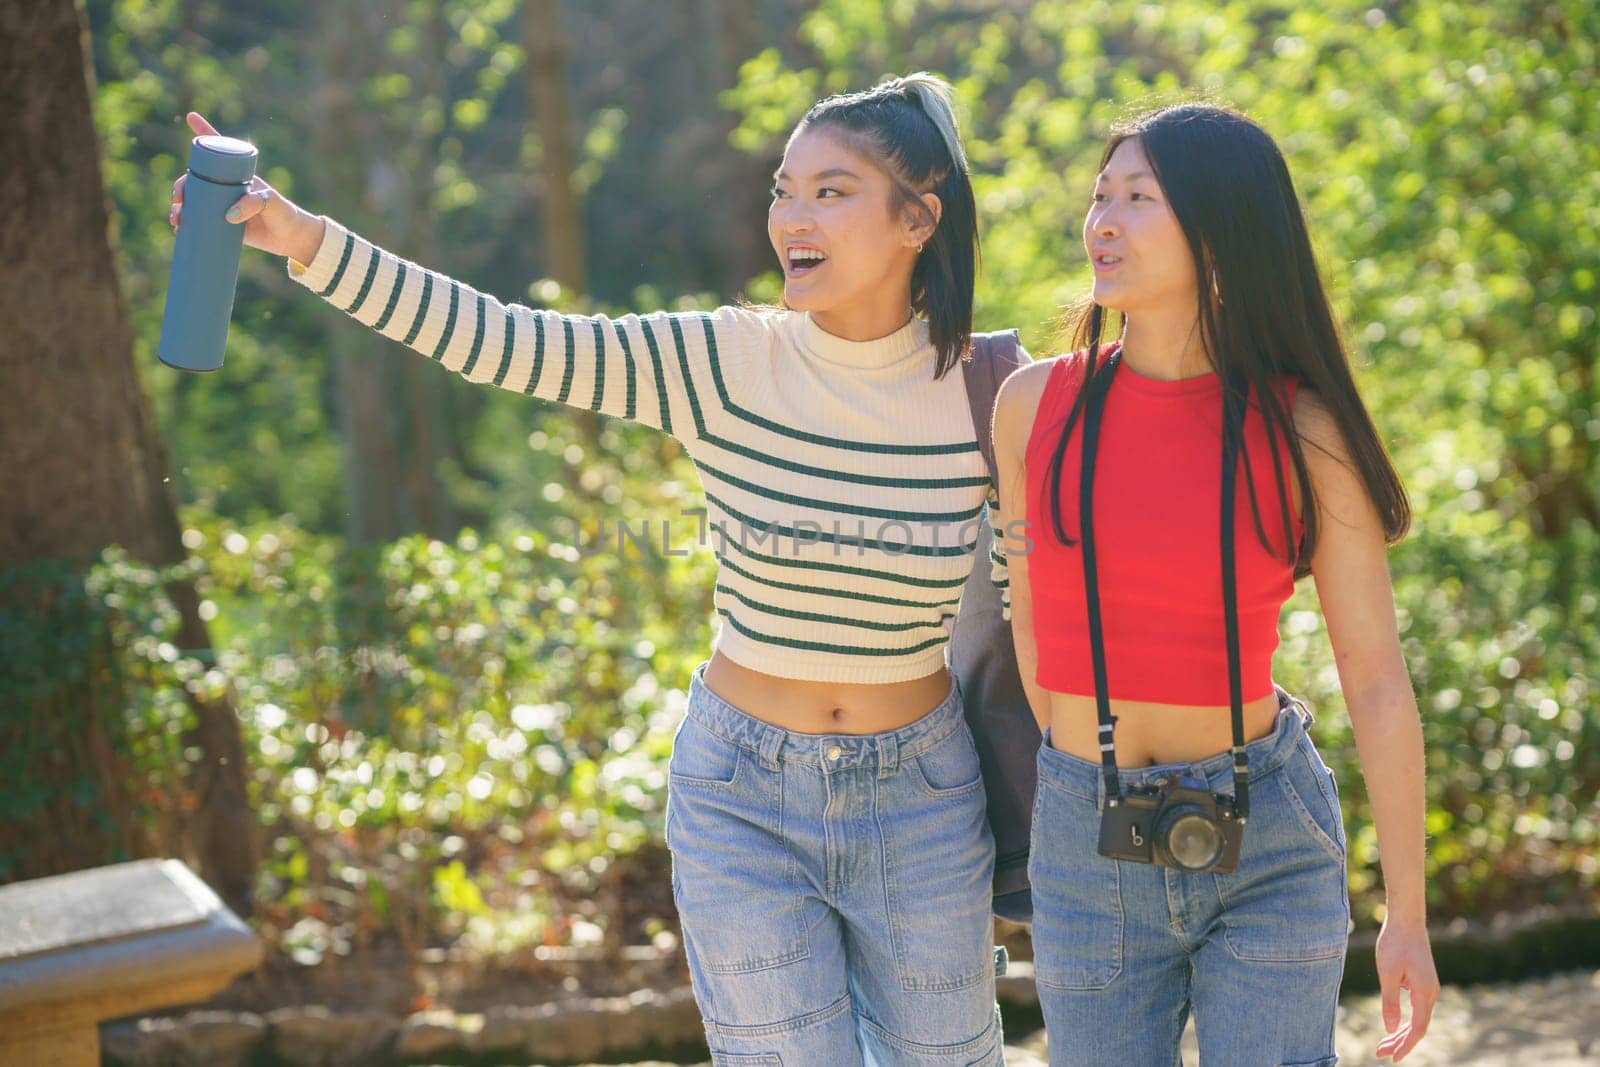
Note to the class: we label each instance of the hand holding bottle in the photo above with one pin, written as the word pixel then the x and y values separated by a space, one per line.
pixel 272 222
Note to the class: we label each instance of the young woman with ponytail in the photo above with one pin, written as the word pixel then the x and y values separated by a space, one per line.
pixel 831 860
pixel 1226 404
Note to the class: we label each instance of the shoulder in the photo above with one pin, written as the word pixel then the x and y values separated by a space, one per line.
pixel 1317 428
pixel 730 334
pixel 1018 402
pixel 1021 392
pixel 746 318
pixel 1024 386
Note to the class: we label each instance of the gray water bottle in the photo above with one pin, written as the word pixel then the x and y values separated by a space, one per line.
pixel 205 259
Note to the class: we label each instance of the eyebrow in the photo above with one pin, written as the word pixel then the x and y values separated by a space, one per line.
pixel 1130 177
pixel 831 172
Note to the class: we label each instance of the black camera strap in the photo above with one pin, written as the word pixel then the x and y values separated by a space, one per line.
pixel 1232 433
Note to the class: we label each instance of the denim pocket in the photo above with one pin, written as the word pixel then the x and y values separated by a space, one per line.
pixel 1077 893
pixel 939 869
pixel 1312 794
pixel 734 879
pixel 701 758
pixel 950 768
pixel 1289 899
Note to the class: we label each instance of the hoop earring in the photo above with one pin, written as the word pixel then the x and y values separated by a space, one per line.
pixel 1215 290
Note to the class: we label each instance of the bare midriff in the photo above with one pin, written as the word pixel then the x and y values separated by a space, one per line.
pixel 810 707
pixel 1149 734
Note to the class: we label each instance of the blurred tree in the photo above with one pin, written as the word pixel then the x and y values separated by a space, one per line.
pixel 90 471
pixel 560 205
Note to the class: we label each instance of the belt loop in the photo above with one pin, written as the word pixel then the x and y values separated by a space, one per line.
pixel 770 747
pixel 888 755
pixel 1099 789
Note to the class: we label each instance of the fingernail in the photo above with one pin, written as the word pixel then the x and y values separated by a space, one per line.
pixel 234 213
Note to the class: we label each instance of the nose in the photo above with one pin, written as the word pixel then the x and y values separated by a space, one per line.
pixel 1104 223
pixel 792 217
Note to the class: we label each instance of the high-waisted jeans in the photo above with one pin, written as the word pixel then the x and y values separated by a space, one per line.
pixel 1123 951
pixel 834 890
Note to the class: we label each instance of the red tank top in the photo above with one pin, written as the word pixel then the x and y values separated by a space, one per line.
pixel 1157 504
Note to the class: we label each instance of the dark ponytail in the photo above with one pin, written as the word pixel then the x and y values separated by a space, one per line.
pixel 909 126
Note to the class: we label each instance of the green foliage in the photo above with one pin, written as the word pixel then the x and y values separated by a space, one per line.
pixel 101 639
pixel 450 738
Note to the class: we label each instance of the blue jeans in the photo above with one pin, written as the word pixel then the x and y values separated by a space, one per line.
pixel 834 890
pixel 1123 951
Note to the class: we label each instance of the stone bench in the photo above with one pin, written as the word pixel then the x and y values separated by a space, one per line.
pixel 80 948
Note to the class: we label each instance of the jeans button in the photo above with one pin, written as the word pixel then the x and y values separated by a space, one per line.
pixel 835 752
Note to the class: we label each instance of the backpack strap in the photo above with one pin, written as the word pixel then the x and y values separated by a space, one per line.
pixel 992 359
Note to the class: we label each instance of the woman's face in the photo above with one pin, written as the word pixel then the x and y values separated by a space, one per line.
pixel 833 225
pixel 1137 249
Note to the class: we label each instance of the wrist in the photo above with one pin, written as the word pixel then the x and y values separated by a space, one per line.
pixel 307 237
pixel 1405 914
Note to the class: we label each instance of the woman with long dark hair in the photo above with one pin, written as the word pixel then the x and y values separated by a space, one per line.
pixel 831 860
pixel 1189 853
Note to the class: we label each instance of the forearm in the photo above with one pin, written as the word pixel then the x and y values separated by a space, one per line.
pixel 1388 733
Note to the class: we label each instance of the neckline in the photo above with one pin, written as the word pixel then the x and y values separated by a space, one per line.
pixel 876 354
pixel 1209 382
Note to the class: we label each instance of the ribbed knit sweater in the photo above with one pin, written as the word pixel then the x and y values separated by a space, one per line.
pixel 844 485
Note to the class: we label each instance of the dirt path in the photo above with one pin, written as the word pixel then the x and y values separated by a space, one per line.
pixel 1552 1022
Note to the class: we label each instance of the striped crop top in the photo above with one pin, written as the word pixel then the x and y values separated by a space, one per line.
pixel 844 485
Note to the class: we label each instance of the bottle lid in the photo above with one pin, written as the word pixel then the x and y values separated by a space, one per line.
pixel 223 159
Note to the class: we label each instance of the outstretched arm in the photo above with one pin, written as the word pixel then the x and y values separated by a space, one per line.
pixel 670 371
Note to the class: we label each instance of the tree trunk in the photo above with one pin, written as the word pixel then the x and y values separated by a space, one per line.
pixel 87 469
pixel 365 375
pixel 560 206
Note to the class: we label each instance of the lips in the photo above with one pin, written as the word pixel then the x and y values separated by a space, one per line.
pixel 1105 261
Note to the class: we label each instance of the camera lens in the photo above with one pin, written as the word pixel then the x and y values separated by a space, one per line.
pixel 1193 839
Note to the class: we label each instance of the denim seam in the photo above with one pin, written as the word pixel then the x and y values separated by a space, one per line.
pixel 1319 772
pixel 1069 786
pixel 954 791
pixel 708 783
pixel 745 1059
pixel 977 1044
pixel 1303 816
pixel 897 935
pixel 786 1026
pixel 763 963
pixel 1298 803
pixel 791 871
pixel 1119 936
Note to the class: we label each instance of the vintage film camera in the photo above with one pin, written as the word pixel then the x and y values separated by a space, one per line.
pixel 1177 823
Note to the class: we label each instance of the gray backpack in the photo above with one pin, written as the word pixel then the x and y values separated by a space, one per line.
pixel 985 663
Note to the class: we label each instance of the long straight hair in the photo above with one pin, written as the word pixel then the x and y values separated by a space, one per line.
pixel 908 126
pixel 1263 313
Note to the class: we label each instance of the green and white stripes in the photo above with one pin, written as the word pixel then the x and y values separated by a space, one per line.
pixel 843 498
